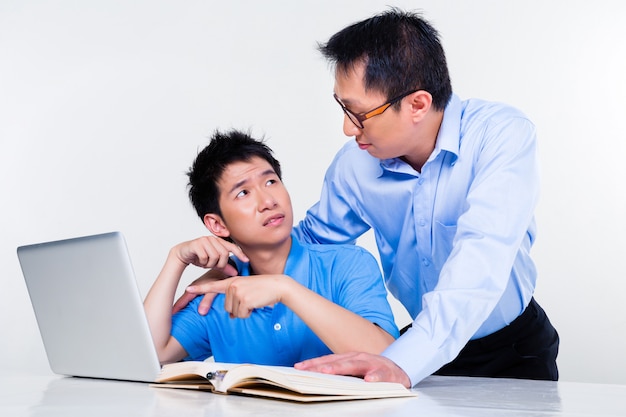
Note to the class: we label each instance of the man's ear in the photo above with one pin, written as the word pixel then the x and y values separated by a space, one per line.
pixel 421 102
pixel 216 225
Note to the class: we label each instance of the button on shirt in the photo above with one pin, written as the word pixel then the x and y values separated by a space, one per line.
pixel 454 239
pixel 344 274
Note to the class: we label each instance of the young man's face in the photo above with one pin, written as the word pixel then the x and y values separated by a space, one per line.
pixel 255 204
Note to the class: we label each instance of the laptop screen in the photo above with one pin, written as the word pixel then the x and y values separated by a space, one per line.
pixel 88 308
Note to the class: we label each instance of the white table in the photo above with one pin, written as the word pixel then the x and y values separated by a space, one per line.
pixel 52 396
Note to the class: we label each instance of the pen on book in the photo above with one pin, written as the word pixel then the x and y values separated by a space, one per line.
pixel 215 375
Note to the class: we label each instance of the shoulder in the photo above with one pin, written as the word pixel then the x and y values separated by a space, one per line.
pixel 332 250
pixel 341 255
pixel 350 151
pixel 490 114
pixel 190 311
pixel 492 125
pixel 350 161
pixel 188 318
pixel 322 249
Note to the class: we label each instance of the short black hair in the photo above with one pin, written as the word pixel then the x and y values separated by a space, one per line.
pixel 208 167
pixel 401 52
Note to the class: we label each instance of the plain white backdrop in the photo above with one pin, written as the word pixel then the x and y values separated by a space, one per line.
pixel 104 104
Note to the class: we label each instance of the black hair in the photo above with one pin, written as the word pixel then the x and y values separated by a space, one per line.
pixel 401 52
pixel 208 167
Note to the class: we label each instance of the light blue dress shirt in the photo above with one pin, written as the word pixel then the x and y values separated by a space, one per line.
pixel 454 239
pixel 345 274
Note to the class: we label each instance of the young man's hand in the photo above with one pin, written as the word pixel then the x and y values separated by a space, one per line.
pixel 206 252
pixel 244 294
pixel 209 252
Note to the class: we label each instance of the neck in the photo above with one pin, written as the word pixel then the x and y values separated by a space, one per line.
pixel 425 143
pixel 269 259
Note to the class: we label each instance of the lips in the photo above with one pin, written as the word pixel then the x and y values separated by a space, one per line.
pixel 361 145
pixel 273 220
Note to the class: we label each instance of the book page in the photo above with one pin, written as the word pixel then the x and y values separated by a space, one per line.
pixel 305 382
pixel 261 380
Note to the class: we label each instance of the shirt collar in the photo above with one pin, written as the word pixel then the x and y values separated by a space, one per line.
pixel 295 260
pixel 448 139
pixel 296 254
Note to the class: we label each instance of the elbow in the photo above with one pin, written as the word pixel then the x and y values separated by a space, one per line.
pixel 172 351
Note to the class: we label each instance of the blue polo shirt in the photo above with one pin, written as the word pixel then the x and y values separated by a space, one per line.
pixel 345 274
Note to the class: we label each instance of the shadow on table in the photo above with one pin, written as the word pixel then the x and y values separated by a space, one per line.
pixel 470 396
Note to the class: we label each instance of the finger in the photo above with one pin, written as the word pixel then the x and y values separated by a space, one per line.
pixel 242 308
pixel 182 301
pixel 205 303
pixel 317 363
pixel 230 270
pixel 388 375
pixel 238 304
pixel 228 303
pixel 221 250
pixel 376 375
pixel 218 252
pixel 341 364
pixel 207 252
pixel 210 276
pixel 210 290
pixel 236 250
pixel 215 287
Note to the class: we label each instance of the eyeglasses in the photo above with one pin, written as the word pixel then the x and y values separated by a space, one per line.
pixel 359 118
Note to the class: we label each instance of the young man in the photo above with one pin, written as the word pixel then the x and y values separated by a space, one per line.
pixel 291 301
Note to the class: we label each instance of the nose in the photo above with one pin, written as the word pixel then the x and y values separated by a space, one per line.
pixel 349 128
pixel 266 200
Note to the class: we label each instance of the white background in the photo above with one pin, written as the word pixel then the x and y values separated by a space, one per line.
pixel 104 104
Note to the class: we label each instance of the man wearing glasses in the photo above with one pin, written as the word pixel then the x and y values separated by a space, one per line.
pixel 449 188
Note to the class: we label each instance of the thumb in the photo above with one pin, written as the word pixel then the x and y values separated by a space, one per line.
pixel 373 376
pixel 230 270
pixel 182 301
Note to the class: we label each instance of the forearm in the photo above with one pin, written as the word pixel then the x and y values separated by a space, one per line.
pixel 340 329
pixel 158 305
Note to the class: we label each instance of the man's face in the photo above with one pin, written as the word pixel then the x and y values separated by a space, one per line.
pixel 255 204
pixel 384 136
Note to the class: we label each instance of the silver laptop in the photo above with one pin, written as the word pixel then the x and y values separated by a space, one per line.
pixel 89 309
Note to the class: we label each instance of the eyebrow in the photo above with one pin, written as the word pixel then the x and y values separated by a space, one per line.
pixel 348 104
pixel 343 100
pixel 238 184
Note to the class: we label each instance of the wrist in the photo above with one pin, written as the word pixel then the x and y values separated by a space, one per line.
pixel 174 261
pixel 289 290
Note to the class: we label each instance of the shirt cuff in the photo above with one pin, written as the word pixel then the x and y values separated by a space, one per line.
pixel 416 355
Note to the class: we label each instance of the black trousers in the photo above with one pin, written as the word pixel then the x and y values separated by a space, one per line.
pixel 527 348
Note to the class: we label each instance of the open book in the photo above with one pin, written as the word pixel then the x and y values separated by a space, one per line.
pixel 277 382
